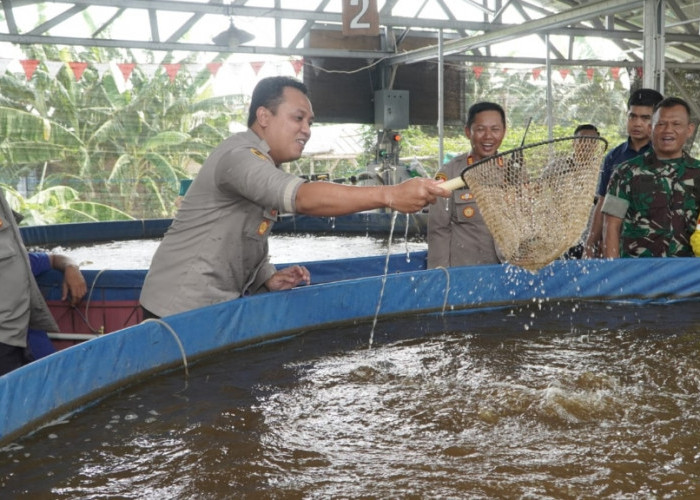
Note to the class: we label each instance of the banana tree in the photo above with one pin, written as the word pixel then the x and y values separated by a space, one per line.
pixel 58 204
pixel 124 148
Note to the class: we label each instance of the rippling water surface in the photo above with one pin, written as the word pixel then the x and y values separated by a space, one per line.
pixel 137 254
pixel 561 401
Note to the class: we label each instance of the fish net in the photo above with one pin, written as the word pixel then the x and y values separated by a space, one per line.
pixel 536 199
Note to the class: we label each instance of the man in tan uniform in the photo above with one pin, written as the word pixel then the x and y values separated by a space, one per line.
pixel 217 248
pixel 457 232
pixel 21 302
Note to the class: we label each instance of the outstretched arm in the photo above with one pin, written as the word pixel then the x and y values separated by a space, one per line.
pixel 329 199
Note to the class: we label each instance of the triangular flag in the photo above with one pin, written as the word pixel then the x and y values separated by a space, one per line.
pixel 78 68
pixel 256 65
pixel 615 72
pixel 53 67
pixel 237 68
pixel 297 64
pixel 149 70
pixel 590 72
pixel 194 68
pixel 126 69
pixel 29 66
pixel 214 67
pixel 172 70
pixel 3 65
pixel 477 71
pixel 536 73
pixel 101 68
pixel 564 72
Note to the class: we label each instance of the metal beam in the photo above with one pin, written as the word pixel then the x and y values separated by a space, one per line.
pixel 526 28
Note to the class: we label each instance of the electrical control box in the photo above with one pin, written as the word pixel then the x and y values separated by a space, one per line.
pixel 391 109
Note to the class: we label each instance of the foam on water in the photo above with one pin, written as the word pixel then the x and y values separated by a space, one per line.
pixel 592 401
pixel 137 254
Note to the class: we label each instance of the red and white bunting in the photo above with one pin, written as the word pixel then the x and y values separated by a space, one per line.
pixel 149 70
pixel 126 69
pixel 194 68
pixel 101 68
pixel 214 68
pixel 172 70
pixel 78 68
pixel 278 67
pixel 53 67
pixel 4 63
pixel 29 66
pixel 297 64
pixel 256 65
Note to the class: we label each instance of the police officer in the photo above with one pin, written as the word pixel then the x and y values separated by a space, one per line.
pixel 457 232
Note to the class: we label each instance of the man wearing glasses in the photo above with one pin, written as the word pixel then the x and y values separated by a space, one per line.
pixel 640 107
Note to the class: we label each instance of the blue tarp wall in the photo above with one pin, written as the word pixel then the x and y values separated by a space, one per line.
pixel 68 380
pixel 375 223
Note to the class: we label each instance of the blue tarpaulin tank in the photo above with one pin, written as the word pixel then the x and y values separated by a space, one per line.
pixel 70 379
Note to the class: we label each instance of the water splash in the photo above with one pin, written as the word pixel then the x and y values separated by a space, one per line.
pixel 405 237
pixel 394 214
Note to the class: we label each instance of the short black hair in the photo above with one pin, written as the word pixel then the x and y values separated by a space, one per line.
pixel 586 126
pixel 644 97
pixel 669 102
pixel 268 94
pixel 479 107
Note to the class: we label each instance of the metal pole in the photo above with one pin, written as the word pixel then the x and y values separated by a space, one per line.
pixel 654 43
pixel 550 120
pixel 441 100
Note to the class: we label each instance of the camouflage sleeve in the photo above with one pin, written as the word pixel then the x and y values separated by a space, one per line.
pixel 615 206
pixel 617 198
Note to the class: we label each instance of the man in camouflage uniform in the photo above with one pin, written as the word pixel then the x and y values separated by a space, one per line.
pixel 651 206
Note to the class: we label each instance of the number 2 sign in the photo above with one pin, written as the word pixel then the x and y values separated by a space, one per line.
pixel 360 17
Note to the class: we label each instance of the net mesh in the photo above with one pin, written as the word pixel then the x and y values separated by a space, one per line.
pixel 536 199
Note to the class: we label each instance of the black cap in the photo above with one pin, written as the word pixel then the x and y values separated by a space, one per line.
pixel 644 97
pixel 586 126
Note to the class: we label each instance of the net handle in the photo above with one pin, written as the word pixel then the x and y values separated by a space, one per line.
pixel 459 182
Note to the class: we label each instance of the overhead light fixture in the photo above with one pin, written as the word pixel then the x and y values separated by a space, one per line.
pixel 232 37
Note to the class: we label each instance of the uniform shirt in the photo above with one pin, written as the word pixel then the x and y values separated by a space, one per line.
pixel 38 341
pixel 657 201
pixel 457 232
pixel 216 248
pixel 21 302
pixel 620 154
pixel 39 262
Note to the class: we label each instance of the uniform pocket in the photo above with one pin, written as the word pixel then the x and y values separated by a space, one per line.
pixel 465 206
pixel 261 227
pixel 8 246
